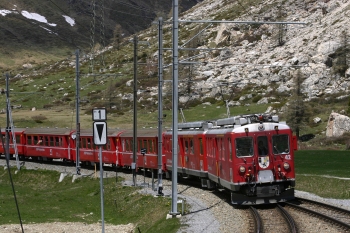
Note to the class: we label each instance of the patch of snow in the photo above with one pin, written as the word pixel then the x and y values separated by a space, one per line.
pixel 69 20
pixel 5 12
pixel 36 17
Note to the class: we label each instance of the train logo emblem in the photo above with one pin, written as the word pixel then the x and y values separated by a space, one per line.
pixel 261 127
pixel 264 162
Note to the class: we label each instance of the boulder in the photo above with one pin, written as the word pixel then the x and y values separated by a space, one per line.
pixel 337 125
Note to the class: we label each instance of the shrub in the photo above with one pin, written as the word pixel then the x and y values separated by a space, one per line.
pixel 39 118
pixel 256 98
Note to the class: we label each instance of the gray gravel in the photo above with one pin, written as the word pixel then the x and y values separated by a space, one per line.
pixel 207 213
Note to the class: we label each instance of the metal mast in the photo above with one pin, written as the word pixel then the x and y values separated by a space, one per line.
pixel 133 167
pixel 174 211
pixel 92 37
pixel 160 103
pixel 77 138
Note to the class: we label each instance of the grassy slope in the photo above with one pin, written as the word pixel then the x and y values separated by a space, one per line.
pixel 315 169
pixel 42 199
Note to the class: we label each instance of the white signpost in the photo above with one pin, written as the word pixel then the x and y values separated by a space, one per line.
pixel 100 133
pixel 99 116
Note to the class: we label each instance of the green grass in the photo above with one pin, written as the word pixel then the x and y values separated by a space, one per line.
pixel 318 172
pixel 41 198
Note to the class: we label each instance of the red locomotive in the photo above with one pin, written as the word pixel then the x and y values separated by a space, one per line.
pixel 250 155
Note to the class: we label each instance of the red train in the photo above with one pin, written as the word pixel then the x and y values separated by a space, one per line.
pixel 250 155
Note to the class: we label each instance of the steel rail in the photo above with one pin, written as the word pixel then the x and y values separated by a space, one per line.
pixel 257 220
pixel 291 223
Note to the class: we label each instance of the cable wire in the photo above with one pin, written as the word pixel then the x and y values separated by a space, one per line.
pixel 7 155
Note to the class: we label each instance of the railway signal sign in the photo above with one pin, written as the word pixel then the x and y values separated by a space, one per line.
pixel 143 151
pixel 99 114
pixel 100 133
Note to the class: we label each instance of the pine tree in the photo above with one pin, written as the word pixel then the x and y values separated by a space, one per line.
pixel 297 114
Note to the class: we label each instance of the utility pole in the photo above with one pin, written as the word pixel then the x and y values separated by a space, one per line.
pixel 133 166
pixel 7 151
pixel 160 105
pixel 77 138
pixel 175 100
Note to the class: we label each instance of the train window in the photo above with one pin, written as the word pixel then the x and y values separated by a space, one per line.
pixel 46 141
pixel 244 146
pixel 201 146
pixel 29 140
pixel 108 145
pixel 35 140
pixel 262 146
pixel 52 142
pixel 229 148
pixel 218 143
pixel 191 146
pixel 150 146
pixel 211 147
pixel 128 146
pixel 280 144
pixel 145 145
pixel 222 150
pixel 89 144
pixel 185 143
pixel 18 139
pixel 82 143
pixel 123 145
pixel 58 141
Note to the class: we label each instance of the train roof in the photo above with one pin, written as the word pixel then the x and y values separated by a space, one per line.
pixel 16 130
pixel 48 131
pixel 230 122
pixel 141 133
pixel 110 132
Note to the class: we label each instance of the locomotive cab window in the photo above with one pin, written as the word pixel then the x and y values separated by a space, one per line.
pixel 280 144
pixel 244 146
pixel 262 146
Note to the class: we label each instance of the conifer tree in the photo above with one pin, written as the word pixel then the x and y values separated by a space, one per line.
pixel 297 114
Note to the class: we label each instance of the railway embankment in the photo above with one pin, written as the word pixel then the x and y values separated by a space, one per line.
pixel 205 211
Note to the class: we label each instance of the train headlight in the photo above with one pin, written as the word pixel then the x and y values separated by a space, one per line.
pixel 286 166
pixel 241 169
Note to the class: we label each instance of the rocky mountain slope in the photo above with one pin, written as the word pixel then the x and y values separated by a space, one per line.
pixel 40 31
pixel 252 54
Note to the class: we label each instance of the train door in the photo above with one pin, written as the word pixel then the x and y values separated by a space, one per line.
pixel 265 159
pixel 211 159
pixel 188 153
pixel 223 164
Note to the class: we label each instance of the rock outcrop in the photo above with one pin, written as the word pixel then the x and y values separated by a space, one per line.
pixel 337 125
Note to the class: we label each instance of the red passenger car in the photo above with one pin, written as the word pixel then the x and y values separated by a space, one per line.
pixel 147 139
pixel 89 152
pixel 191 151
pixel 18 135
pixel 47 143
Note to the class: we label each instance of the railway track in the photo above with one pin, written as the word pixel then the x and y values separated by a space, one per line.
pixel 331 214
pixel 275 219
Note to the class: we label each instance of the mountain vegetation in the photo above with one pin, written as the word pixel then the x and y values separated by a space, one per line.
pixel 297 69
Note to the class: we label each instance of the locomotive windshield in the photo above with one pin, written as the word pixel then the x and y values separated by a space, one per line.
pixel 280 144
pixel 262 146
pixel 244 146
